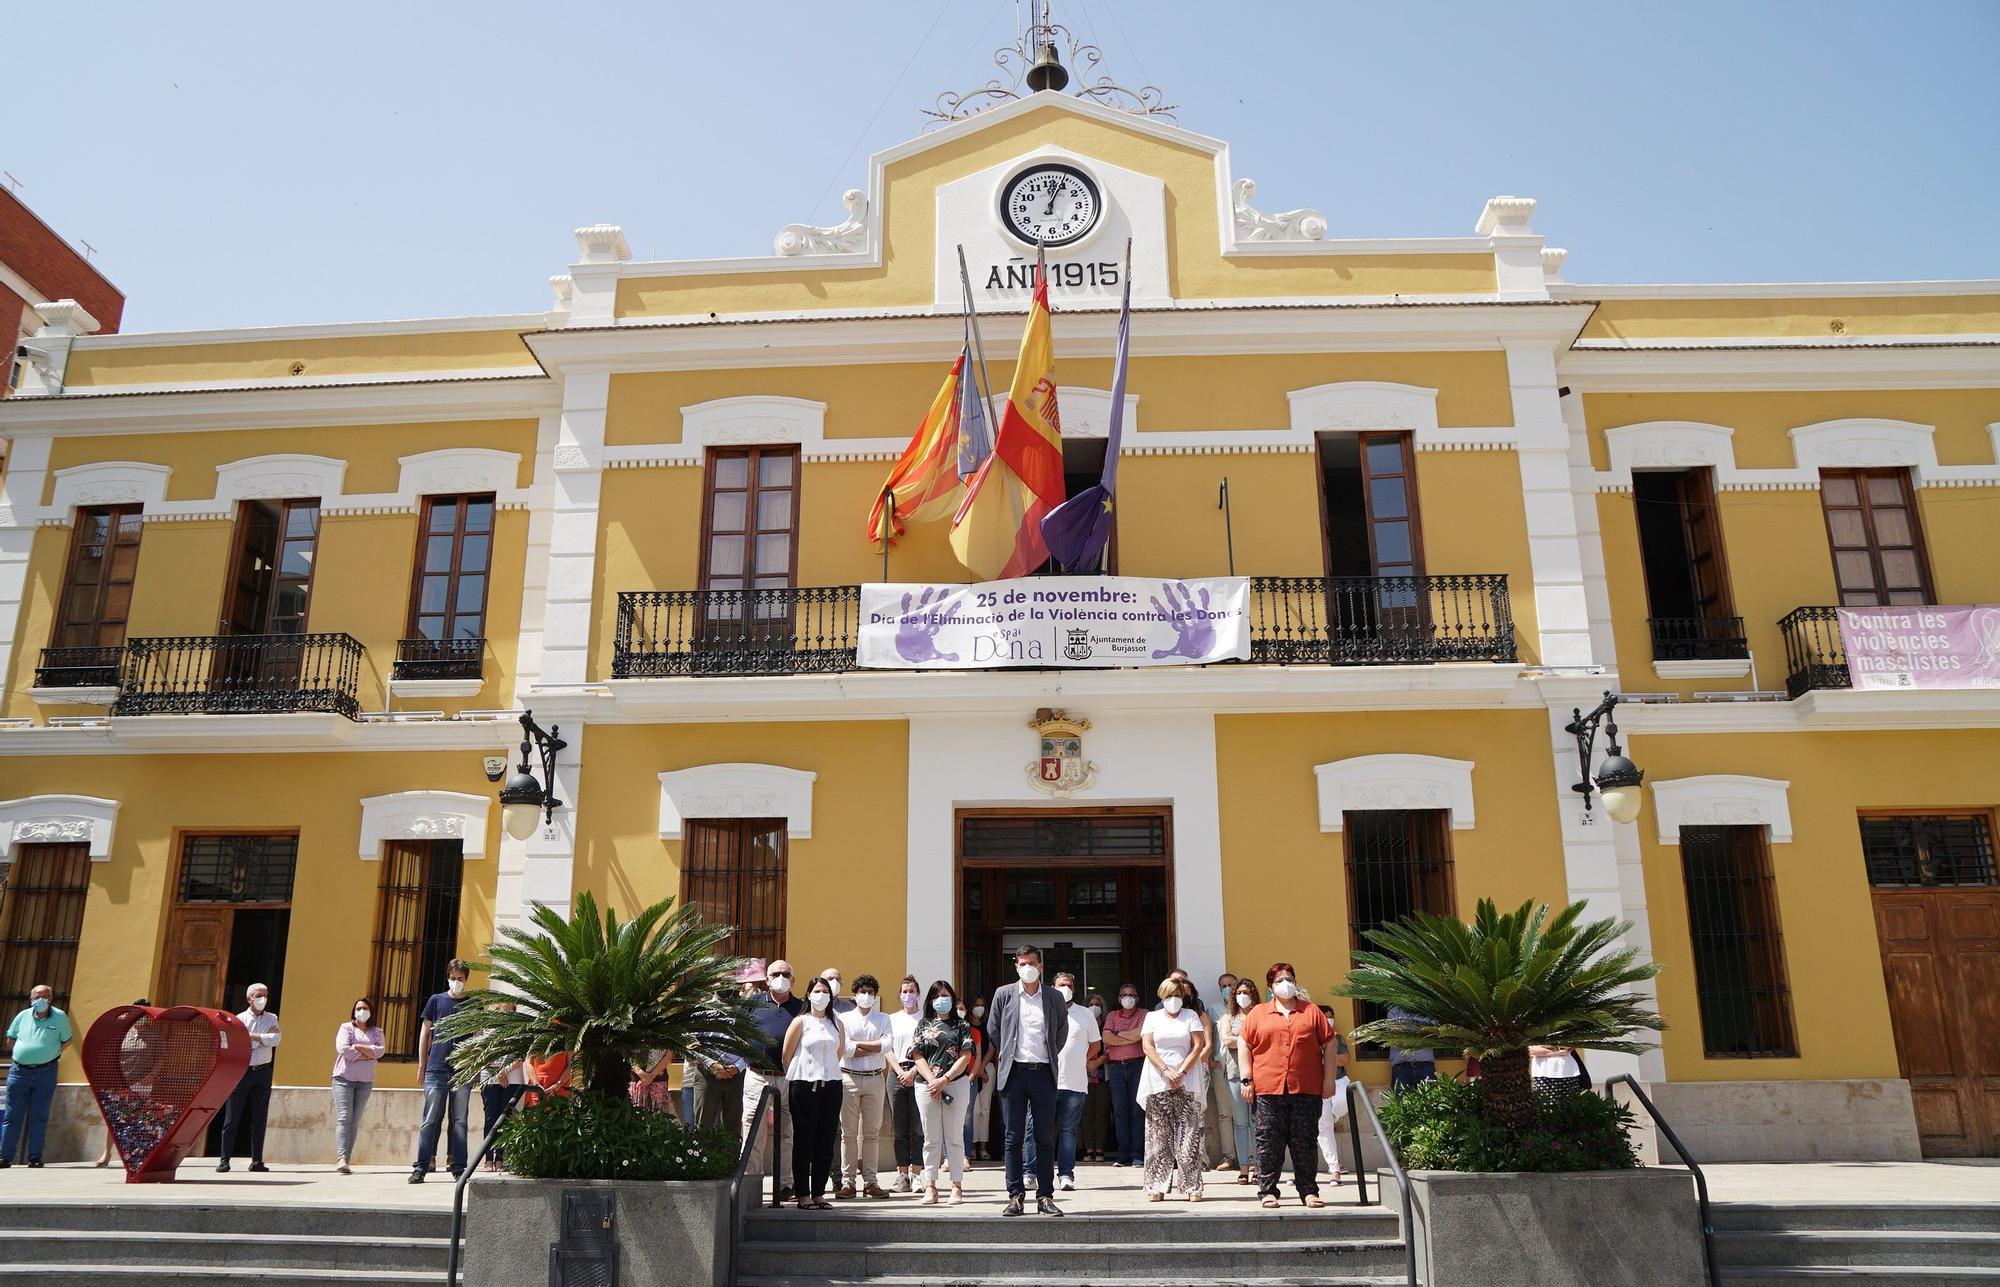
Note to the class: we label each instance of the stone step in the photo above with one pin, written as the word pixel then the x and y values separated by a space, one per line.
pixel 224 1218
pixel 1860 1247
pixel 1859 1276
pixel 261 1251
pixel 953 1225
pixel 82 1275
pixel 1045 1280
pixel 1744 1216
pixel 1178 1251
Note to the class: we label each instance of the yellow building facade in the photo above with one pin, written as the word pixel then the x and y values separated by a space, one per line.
pixel 273 600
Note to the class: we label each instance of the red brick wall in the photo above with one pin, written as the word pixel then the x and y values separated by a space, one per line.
pixel 49 264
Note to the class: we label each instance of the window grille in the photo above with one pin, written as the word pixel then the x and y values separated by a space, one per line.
pixel 1113 836
pixel 1398 862
pixel 1928 850
pixel 238 869
pixel 1739 954
pixel 416 935
pixel 734 873
pixel 42 894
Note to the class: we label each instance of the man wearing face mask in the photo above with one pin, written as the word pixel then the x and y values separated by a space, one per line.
pixel 441 1097
pixel 1286 1045
pixel 37 1035
pixel 905 1112
pixel 774 1012
pixel 864 1089
pixel 1072 1086
pixel 1029 1025
pixel 1125 1054
pixel 1215 1114
pixel 250 1102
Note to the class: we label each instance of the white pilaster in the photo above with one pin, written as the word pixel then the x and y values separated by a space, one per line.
pixel 577 479
pixel 1555 551
pixel 20 509
pixel 1589 533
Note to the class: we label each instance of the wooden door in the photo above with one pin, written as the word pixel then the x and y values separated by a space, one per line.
pixel 197 959
pixel 1941 961
pixel 1878 544
pixel 1702 538
pixel 1399 607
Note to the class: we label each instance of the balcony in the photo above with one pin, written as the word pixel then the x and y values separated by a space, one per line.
pixel 240 675
pixel 73 668
pixel 1698 639
pixel 1814 657
pixel 1294 621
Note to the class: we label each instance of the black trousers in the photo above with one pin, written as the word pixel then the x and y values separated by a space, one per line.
pixel 249 1104
pixel 1288 1122
pixel 909 1123
pixel 815 1131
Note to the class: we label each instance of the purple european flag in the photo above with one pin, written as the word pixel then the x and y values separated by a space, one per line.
pixel 975 440
pixel 1077 530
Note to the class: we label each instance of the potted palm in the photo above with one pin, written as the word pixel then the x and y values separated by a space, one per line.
pixel 1506 1183
pixel 608 994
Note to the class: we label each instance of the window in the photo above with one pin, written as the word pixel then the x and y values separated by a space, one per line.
pixel 271 576
pixel 1398 862
pixel 1928 850
pixel 238 869
pixel 454 555
pixel 1369 482
pixel 1739 954
pixel 1878 547
pixel 1680 547
pixel 97 589
pixel 733 873
pixel 749 540
pixel 1083 468
pixel 41 918
pixel 416 935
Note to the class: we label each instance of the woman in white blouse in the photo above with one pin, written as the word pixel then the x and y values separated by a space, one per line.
pixel 815 1046
pixel 1172 1092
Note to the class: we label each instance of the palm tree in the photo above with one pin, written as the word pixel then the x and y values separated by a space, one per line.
pixel 608 993
pixel 1502 984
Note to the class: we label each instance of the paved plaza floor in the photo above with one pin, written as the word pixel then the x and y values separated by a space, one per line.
pixel 1101 1189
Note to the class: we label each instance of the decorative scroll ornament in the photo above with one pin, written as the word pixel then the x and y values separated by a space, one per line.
pixel 849 235
pixel 1014 61
pixel 1061 770
pixel 1255 225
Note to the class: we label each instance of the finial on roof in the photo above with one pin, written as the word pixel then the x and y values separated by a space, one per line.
pixel 1036 62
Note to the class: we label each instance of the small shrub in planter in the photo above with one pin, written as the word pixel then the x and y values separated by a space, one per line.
pixel 597 1137
pixel 1445 1126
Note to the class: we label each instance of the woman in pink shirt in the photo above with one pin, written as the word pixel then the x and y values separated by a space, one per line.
pixel 1125 1059
pixel 357 1048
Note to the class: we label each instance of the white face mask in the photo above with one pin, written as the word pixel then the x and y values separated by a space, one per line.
pixel 864 1000
pixel 1097 1012
pixel 257 1004
pixel 1244 1000
pixel 1126 1003
pixel 1067 993
pixel 910 1001
pixel 1029 973
pixel 961 1012
pixel 781 986
pixel 1173 1005
pixel 1285 989
pixel 820 1000
pixel 456 987
pixel 835 985
pixel 979 1012
pixel 361 1017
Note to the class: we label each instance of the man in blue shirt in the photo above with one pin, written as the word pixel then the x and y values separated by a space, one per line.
pixel 38 1035
pixel 434 1057
pixel 774 1014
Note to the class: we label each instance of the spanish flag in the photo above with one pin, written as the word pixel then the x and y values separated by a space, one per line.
pixel 997 532
pixel 924 484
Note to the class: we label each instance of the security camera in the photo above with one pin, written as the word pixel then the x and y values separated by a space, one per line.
pixel 495 766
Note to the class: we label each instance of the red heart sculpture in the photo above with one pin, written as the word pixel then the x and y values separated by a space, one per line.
pixel 159 1077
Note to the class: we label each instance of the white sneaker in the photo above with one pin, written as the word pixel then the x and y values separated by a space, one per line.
pixel 1066 1184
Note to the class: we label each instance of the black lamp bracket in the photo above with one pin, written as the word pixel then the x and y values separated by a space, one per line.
pixel 545 743
pixel 1584 729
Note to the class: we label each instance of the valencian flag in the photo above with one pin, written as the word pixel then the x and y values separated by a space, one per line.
pixel 1077 530
pixel 997 532
pixel 924 485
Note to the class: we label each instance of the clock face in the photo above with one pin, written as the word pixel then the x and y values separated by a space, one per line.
pixel 1050 205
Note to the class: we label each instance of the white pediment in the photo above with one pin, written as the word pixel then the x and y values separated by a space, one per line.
pixel 279 477
pixel 736 791
pixel 1722 800
pixel 756 420
pixel 1864 444
pixel 58 820
pixel 110 482
pixel 458 469
pixel 1366 782
pixel 425 815
pixel 1363 404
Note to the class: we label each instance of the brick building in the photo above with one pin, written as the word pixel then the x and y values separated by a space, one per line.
pixel 38 266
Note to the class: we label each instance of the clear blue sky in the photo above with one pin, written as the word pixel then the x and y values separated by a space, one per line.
pixel 253 164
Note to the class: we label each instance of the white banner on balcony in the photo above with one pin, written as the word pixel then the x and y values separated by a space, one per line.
pixel 1055 621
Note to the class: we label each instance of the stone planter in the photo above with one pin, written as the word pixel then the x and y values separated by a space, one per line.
pixel 1580 1229
pixel 670 1233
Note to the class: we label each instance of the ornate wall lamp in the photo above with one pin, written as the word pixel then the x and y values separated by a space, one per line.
pixel 1617 778
pixel 524 802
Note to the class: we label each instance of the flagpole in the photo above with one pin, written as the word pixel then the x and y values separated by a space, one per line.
pixel 984 382
pixel 888 526
pixel 1125 314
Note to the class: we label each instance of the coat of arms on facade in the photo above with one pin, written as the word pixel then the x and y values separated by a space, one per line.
pixel 1061 769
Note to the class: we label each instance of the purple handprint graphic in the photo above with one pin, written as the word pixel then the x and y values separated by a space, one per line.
pixel 916 631
pixel 1195 632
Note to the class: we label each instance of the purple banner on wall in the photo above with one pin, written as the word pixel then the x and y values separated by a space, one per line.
pixel 1927 647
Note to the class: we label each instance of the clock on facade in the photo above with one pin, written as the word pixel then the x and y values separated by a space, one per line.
pixel 1050 204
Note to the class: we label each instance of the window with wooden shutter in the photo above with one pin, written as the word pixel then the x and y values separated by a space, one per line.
pixel 750 525
pixel 41 921
pixel 1739 949
pixel 733 872
pixel 416 934
pixel 1398 862
pixel 1878 544
pixel 97 588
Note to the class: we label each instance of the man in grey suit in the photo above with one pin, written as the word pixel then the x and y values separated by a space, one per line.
pixel 1028 1023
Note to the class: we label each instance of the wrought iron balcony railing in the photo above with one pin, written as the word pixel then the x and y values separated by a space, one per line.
pixel 1814 656
pixel 439 659
pixel 1293 621
pixel 1698 639
pixel 79 667
pixel 240 674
